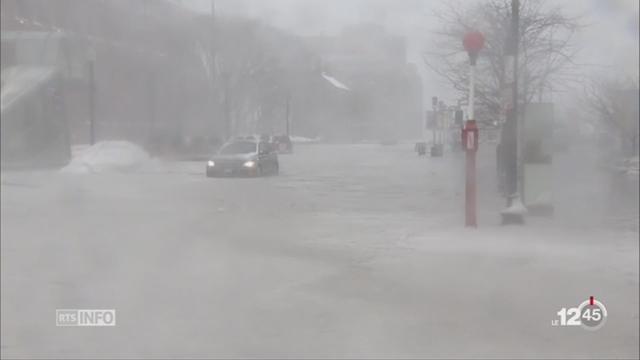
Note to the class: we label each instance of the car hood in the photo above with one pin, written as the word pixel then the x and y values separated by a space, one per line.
pixel 234 157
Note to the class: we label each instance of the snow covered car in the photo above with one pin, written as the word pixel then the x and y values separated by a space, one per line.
pixel 243 158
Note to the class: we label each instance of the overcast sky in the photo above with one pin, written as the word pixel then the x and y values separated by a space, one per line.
pixel 610 40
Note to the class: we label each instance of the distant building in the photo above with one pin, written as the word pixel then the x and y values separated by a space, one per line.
pixel 144 77
pixel 33 126
pixel 385 101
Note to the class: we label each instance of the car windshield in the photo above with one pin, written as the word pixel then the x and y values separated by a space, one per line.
pixel 244 147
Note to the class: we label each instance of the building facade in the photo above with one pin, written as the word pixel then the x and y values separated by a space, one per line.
pixel 385 101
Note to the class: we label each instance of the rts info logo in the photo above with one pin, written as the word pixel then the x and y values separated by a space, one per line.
pixel 85 317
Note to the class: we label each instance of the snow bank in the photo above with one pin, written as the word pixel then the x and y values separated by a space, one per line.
pixel 516 208
pixel 302 139
pixel 107 156
pixel 629 166
pixel 633 165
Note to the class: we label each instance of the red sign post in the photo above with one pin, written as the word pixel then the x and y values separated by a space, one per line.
pixel 473 43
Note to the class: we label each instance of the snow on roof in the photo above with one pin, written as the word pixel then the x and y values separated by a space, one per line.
pixel 333 81
pixel 19 81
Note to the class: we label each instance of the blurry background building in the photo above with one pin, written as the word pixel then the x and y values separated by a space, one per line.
pixel 386 92
pixel 167 77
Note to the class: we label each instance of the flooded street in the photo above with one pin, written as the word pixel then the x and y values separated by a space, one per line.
pixel 353 251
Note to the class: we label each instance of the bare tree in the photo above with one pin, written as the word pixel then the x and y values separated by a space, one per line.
pixel 256 63
pixel 615 104
pixel 546 43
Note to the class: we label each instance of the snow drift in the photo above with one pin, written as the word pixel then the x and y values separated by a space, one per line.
pixel 107 156
pixel 304 140
pixel 632 165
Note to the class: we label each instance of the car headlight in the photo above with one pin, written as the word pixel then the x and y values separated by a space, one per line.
pixel 211 163
pixel 249 164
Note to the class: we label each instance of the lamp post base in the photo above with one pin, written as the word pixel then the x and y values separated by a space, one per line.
pixel 514 214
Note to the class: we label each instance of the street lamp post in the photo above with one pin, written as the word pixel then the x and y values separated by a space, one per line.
pixel 436 148
pixel 434 121
pixel 288 114
pixel 442 125
pixel 473 43
pixel 515 211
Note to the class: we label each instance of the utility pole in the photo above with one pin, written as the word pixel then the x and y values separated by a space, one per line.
pixel 514 212
pixel 442 123
pixel 151 83
pixel 227 106
pixel 434 103
pixel 434 126
pixel 212 66
pixel 287 115
pixel 151 93
pixel 92 97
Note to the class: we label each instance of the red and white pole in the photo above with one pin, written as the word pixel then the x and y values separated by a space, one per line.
pixel 471 130
pixel 473 42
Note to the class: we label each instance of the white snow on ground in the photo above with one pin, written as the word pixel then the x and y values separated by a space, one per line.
pixel 335 82
pixel 107 156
